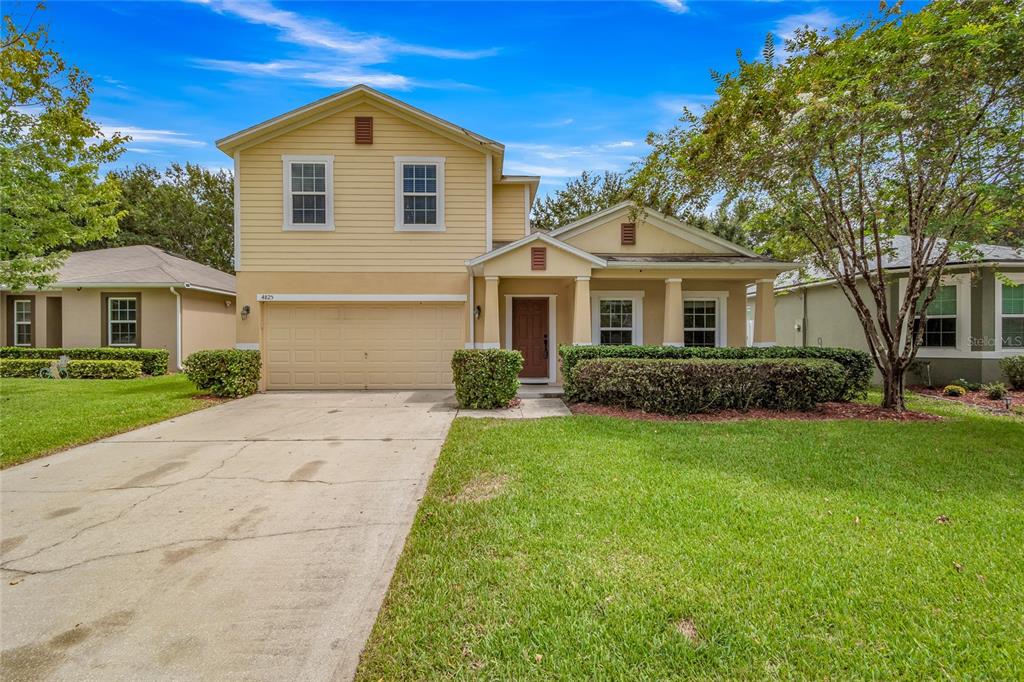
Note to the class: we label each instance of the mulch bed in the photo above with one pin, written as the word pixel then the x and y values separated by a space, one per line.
pixel 976 398
pixel 822 412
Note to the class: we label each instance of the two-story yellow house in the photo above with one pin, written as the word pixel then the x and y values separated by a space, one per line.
pixel 372 239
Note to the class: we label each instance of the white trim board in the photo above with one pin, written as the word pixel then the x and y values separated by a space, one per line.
pixel 552 340
pixel 361 298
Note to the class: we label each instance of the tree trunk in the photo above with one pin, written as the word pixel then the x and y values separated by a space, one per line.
pixel 892 396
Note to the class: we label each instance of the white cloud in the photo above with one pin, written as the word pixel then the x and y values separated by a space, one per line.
pixel 622 145
pixel 335 56
pixel 559 123
pixel 674 6
pixel 561 161
pixel 786 27
pixel 153 136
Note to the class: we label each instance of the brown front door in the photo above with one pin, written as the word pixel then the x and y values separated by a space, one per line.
pixel 530 335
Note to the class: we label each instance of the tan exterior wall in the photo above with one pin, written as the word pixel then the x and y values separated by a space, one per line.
pixel 509 208
pixel 517 263
pixel 206 322
pixel 607 238
pixel 364 239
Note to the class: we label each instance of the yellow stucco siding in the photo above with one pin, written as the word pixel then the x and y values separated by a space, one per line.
pixel 517 263
pixel 364 238
pixel 509 208
pixel 206 321
pixel 606 238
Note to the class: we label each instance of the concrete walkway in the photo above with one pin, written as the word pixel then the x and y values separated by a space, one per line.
pixel 254 540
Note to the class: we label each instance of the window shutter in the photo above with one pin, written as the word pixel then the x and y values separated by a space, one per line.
pixel 364 129
pixel 538 258
pixel 629 234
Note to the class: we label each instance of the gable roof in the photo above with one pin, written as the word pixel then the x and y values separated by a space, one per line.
pixel 542 237
pixel 140 266
pixel 340 100
pixel 669 224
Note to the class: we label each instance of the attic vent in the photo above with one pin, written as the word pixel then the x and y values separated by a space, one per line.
pixel 538 258
pixel 629 234
pixel 364 129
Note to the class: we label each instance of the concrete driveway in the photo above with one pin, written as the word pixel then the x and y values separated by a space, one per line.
pixel 253 540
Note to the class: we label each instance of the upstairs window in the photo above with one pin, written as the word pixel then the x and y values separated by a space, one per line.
pixel 308 193
pixel 419 194
pixel 22 322
pixel 1012 313
pixel 940 322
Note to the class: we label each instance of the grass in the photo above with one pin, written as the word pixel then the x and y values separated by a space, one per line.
pixel 745 550
pixel 38 417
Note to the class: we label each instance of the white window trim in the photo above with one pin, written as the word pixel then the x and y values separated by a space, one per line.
pixel 1019 279
pixel 721 299
pixel 552 341
pixel 111 321
pixel 17 324
pixel 286 185
pixel 400 225
pixel 637 297
pixel 963 319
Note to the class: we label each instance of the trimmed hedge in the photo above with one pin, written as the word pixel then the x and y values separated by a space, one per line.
pixel 225 373
pixel 77 369
pixel 153 360
pixel 486 379
pixel 1013 368
pixel 688 386
pixel 857 365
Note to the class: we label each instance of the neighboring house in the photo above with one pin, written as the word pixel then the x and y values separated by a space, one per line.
pixel 131 296
pixel 976 318
pixel 373 239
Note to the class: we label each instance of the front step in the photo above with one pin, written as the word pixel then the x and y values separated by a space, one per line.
pixel 533 391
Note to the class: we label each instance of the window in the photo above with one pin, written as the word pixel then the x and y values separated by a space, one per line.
pixel 308 193
pixel 22 322
pixel 419 194
pixel 122 321
pixel 940 323
pixel 700 322
pixel 616 318
pixel 1012 316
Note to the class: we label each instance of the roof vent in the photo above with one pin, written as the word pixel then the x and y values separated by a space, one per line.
pixel 629 234
pixel 364 129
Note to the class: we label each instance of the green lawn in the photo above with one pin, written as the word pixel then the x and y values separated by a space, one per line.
pixel 40 416
pixel 793 549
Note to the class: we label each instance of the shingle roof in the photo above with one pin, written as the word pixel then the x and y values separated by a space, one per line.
pixel 686 258
pixel 140 265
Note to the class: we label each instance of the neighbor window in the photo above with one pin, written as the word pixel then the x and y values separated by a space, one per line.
pixel 615 324
pixel 22 322
pixel 700 323
pixel 308 196
pixel 419 196
pixel 122 321
pixel 1013 316
pixel 940 322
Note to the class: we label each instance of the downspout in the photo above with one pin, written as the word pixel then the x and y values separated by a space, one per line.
pixel 472 308
pixel 177 328
pixel 803 318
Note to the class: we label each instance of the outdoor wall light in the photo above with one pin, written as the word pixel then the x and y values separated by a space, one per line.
pixel 476 313
pixel 245 311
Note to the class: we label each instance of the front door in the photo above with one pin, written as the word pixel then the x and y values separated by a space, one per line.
pixel 530 335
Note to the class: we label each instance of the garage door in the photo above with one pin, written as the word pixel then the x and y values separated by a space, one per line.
pixel 361 345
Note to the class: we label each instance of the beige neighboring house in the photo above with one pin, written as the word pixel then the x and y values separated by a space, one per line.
pixel 373 239
pixel 130 296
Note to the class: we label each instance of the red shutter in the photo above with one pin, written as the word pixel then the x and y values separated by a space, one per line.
pixel 629 234
pixel 538 258
pixel 364 129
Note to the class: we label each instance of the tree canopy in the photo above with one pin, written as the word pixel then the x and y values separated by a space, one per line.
pixel 901 123
pixel 50 153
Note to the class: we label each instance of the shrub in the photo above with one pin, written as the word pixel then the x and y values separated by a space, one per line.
pixel 77 369
pixel 225 373
pixel 1013 368
pixel 857 365
pixel 954 390
pixel 995 391
pixel 966 385
pixel 153 360
pixel 486 379
pixel 687 386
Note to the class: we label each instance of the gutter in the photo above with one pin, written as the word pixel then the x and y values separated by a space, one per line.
pixel 177 328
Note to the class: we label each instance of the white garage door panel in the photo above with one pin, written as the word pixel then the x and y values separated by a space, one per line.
pixel 361 345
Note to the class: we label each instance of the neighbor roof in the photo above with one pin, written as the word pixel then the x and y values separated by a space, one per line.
pixel 140 265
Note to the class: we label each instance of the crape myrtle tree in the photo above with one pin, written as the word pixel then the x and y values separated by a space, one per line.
pixel 900 124
pixel 51 196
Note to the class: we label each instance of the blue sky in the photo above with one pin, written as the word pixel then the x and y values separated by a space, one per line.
pixel 565 86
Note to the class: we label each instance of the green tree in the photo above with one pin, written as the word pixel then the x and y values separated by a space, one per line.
pixel 579 198
pixel 899 124
pixel 51 196
pixel 187 210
